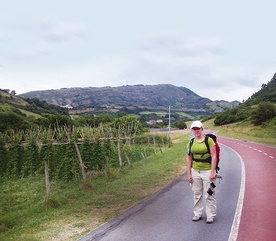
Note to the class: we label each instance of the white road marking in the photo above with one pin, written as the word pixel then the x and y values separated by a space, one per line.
pixel 255 149
pixel 236 222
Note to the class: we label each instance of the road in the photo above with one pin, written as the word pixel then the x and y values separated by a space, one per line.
pixel 244 204
pixel 258 210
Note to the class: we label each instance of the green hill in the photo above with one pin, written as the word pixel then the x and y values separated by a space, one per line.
pixel 147 97
pixel 266 93
pixel 259 109
pixel 19 113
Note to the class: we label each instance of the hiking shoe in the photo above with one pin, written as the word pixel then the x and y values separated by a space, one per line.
pixel 209 220
pixel 196 218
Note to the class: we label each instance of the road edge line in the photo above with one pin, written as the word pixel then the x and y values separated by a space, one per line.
pixel 236 222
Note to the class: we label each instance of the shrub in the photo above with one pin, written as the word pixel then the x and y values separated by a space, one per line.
pixel 264 112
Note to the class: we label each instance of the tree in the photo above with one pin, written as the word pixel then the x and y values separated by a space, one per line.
pixel 102 119
pixel 264 112
pixel 10 120
pixel 180 124
pixel 60 120
pixel 121 114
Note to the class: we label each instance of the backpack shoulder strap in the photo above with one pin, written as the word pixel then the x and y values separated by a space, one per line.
pixel 205 141
pixel 190 146
pixel 207 144
pixel 191 142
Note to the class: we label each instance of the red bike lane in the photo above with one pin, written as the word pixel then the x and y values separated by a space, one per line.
pixel 258 215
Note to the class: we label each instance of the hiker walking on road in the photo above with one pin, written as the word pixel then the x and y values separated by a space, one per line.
pixel 201 171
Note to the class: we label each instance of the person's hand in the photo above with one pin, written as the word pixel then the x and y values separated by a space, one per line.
pixel 190 179
pixel 212 176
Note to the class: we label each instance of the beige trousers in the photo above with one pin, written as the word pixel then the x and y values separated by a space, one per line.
pixel 200 185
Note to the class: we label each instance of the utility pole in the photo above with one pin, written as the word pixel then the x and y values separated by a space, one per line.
pixel 169 120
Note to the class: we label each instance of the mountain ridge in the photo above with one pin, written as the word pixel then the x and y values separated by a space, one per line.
pixel 160 95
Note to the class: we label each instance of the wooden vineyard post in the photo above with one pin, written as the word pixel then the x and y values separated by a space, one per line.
pixel 144 154
pixel 107 172
pixel 159 147
pixel 128 160
pixel 119 154
pixel 80 159
pixel 154 144
pixel 47 182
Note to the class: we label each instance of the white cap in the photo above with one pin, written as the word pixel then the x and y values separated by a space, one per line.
pixel 197 124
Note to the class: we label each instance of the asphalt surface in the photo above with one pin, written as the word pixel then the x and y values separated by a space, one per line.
pixel 257 221
pixel 167 215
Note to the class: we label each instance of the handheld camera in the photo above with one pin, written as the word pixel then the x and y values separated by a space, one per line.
pixel 212 186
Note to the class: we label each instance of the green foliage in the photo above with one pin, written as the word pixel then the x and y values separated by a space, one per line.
pixel 11 120
pixel 237 114
pixel 14 161
pixel 12 117
pixel 27 143
pixel 148 139
pixel 30 163
pixel 20 201
pixel 102 119
pixel 57 120
pixel 98 156
pixel 264 112
pixel 205 118
pixel 266 94
pixel 121 113
pixel 3 157
pixel 83 120
pixel 24 152
pixel 128 125
pixel 87 155
pixel 180 124
pixel 67 166
pixel 23 212
pixel 37 106
pixel 269 127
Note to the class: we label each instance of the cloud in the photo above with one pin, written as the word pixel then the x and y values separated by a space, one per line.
pixel 176 58
pixel 182 45
pixel 103 71
pixel 51 31
pixel 3 36
pixel 196 63
pixel 180 50
pixel 193 62
pixel 31 52
pixel 38 40
pixel 63 31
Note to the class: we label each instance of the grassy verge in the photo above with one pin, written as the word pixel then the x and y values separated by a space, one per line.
pixel 76 208
pixel 246 131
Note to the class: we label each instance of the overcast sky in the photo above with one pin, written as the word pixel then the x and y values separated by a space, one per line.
pixel 223 50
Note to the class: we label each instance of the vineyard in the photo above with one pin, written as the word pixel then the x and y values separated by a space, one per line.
pixel 64 153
